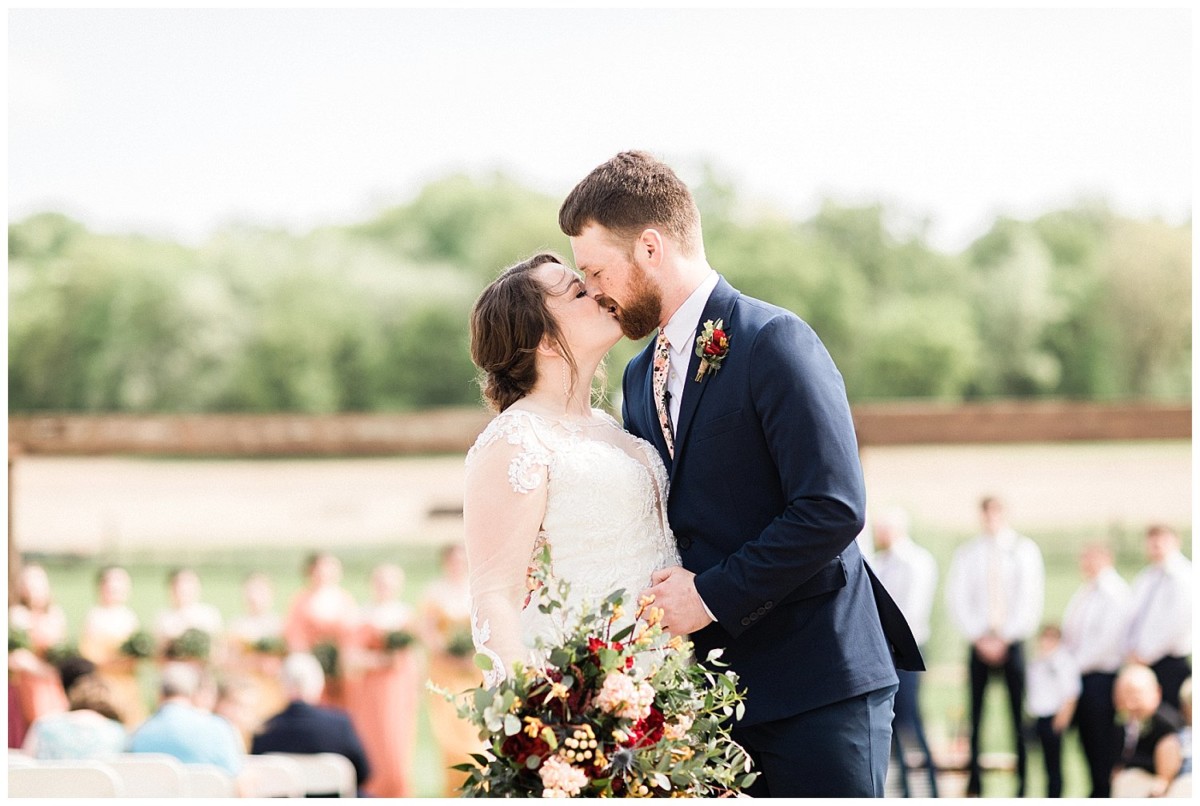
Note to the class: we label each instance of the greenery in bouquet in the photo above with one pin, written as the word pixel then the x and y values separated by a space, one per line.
pixel 58 653
pixel 326 653
pixel 270 645
pixel 138 645
pixel 192 644
pixel 614 712
pixel 396 640
pixel 460 644
pixel 18 639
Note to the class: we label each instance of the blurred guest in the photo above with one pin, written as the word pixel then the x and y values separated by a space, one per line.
pixel 381 674
pixel 43 626
pixel 91 729
pixel 238 702
pixel 255 645
pixel 1159 633
pixel 909 573
pixel 319 617
pixel 106 627
pixel 305 727
pixel 1052 690
pixel 180 729
pixel 187 612
pixel 1181 787
pixel 446 633
pixel 994 592
pixel 1093 627
pixel 1146 766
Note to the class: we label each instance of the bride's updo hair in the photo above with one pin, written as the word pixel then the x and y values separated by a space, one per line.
pixel 508 322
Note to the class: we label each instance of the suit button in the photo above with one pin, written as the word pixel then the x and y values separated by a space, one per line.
pixel 769 605
pixel 685 543
pixel 762 611
pixel 745 622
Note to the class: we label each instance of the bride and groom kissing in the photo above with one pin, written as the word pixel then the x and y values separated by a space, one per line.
pixel 738 409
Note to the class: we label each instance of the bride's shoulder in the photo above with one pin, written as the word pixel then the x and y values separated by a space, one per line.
pixel 515 427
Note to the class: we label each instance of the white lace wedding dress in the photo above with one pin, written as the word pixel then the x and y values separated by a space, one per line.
pixel 593 493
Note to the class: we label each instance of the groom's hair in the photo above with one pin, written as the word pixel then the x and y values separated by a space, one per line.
pixel 508 322
pixel 630 193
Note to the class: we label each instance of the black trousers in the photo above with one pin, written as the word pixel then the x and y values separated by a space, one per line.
pixel 1096 718
pixel 1013 673
pixel 1171 671
pixel 1052 754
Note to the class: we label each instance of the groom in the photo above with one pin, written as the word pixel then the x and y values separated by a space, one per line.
pixel 750 416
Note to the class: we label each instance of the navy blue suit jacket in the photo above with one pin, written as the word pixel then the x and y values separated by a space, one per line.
pixel 304 728
pixel 766 501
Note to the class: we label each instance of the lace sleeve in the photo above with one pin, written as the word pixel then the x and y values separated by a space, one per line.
pixel 503 508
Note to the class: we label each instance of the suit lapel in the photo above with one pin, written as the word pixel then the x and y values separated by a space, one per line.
pixel 719 306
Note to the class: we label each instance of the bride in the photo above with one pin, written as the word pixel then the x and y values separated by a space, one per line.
pixel 550 471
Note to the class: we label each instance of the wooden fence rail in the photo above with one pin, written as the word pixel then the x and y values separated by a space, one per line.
pixel 453 430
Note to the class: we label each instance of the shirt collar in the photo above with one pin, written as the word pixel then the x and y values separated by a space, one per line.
pixel 1005 538
pixel 681 327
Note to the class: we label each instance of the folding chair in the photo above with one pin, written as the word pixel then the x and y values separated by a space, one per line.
pixel 149 775
pixel 325 774
pixel 207 781
pixel 64 779
pixel 271 777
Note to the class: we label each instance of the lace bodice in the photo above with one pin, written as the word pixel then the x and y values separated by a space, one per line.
pixel 593 493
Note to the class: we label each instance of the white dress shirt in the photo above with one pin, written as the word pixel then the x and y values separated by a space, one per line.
pixel 171 624
pixel 1051 681
pixel 1094 622
pixel 1022 576
pixel 1160 611
pixel 681 330
pixel 909 573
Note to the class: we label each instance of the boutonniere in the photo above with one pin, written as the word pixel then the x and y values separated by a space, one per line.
pixel 712 345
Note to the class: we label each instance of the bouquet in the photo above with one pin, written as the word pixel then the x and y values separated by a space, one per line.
pixel 18 639
pixel 192 644
pixel 271 645
pixel 396 640
pixel 138 645
pixel 326 653
pixel 460 644
pixel 613 712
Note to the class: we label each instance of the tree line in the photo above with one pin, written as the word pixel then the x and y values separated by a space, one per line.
pixel 1078 303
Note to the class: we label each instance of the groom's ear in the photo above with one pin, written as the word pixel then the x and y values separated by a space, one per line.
pixel 650 247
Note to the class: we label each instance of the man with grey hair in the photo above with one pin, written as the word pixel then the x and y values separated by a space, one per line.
pixel 909 573
pixel 180 729
pixel 305 727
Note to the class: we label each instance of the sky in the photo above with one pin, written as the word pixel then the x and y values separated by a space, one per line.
pixel 174 123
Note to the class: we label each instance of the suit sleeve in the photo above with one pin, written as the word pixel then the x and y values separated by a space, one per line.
pixel 353 750
pixel 800 401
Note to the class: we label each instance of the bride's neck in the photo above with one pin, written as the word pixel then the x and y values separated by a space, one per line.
pixel 560 393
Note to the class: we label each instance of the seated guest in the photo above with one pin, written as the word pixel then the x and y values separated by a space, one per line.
pixel 91 729
pixel 1144 769
pixel 1176 752
pixel 305 727
pixel 180 729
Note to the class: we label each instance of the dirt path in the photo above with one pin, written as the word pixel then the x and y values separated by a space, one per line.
pixel 85 504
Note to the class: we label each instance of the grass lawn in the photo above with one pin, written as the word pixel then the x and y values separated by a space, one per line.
pixel 944 694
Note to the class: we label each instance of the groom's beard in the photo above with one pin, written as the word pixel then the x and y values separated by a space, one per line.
pixel 639 316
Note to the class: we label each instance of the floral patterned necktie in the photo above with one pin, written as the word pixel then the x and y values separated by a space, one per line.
pixel 662 364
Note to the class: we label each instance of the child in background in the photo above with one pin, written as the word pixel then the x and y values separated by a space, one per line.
pixel 1052 687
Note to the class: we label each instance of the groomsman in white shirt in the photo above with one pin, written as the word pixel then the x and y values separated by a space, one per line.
pixel 1159 631
pixel 909 573
pixel 995 593
pixel 1093 630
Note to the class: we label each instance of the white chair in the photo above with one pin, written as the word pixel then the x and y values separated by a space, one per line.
pixel 271 777
pixel 18 759
pixel 64 779
pixel 149 775
pixel 207 781
pixel 325 774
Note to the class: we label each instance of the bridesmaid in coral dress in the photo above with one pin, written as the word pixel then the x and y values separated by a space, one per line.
pixel 446 632
pixel 383 672
pixel 319 617
pixel 38 687
pixel 106 627
pixel 255 646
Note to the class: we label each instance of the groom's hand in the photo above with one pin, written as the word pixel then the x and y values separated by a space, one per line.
pixel 674 590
